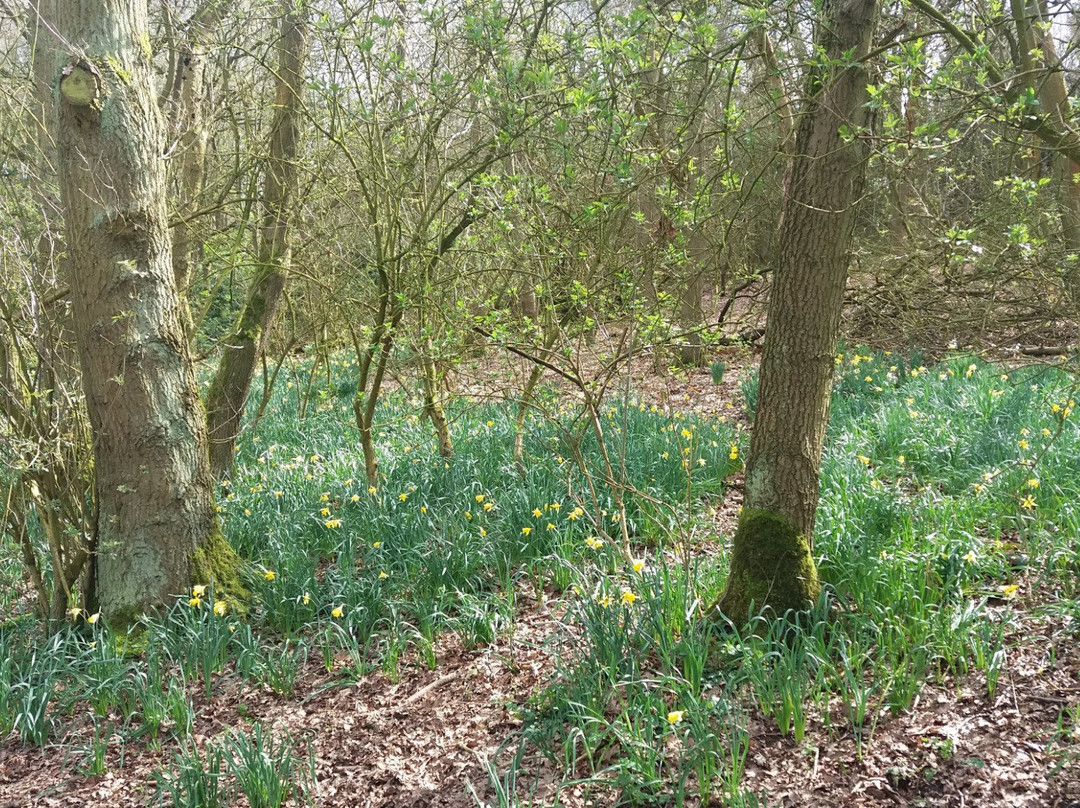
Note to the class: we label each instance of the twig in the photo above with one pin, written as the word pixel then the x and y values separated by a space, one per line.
pixel 442 680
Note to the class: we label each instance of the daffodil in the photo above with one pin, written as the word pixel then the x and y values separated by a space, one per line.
pixel 75 611
pixel 93 618
pixel 219 608
pixel 488 506
pixel 1033 482
pixel 525 531
pixel 675 716
pixel 305 598
pixel 198 590
pixel 372 489
pixel 376 545
pixel 628 597
pixel 638 565
pixel 403 496
pixel 537 513
pixel 354 498
pixel 1008 590
pixel 901 460
pixel 382 575
pixel 195 602
pixel 969 556
pixel 479 497
pixel 1028 502
pixel 332 523
pixel 594 542
pixel 269 575
pixel 337 611
pixel 325 512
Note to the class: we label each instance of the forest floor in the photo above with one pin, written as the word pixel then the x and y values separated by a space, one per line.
pixel 429 737
pixel 443 736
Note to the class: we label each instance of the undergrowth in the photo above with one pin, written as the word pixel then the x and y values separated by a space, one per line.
pixel 948 507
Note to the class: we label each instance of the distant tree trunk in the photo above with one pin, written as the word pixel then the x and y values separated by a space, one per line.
pixel 1043 76
pixel 433 408
pixel 188 98
pixel 240 350
pixel 373 359
pixel 157 530
pixel 772 565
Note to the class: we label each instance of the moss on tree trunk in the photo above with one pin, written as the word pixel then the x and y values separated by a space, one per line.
pixel 215 562
pixel 771 568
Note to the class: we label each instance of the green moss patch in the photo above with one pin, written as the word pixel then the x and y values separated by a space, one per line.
pixel 772 568
pixel 216 562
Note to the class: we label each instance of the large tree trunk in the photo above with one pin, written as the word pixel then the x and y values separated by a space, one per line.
pixel 157 530
pixel 772 565
pixel 240 352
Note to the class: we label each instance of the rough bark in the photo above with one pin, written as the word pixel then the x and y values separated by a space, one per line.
pixel 772 565
pixel 152 481
pixel 240 351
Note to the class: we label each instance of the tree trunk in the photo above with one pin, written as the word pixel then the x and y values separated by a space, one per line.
pixel 1043 76
pixel 771 565
pixel 188 98
pixel 433 407
pixel 240 352
pixel 157 530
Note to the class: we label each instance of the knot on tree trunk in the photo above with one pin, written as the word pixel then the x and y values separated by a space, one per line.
pixel 81 85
